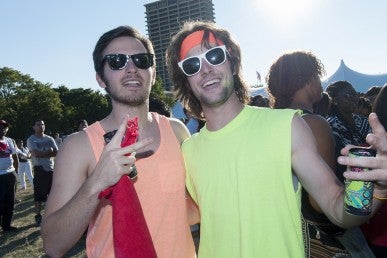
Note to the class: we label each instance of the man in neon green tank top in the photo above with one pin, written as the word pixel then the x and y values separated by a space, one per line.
pixel 239 166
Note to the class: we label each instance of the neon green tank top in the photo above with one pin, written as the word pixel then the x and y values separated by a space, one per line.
pixel 241 178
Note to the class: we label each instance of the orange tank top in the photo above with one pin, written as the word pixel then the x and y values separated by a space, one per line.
pixel 161 190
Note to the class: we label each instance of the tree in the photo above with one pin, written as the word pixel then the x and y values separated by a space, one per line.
pixel 158 92
pixel 82 104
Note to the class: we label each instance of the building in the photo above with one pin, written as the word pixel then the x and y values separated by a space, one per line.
pixel 164 18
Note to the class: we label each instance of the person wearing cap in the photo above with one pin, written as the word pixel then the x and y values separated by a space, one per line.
pixel 245 167
pixel 9 164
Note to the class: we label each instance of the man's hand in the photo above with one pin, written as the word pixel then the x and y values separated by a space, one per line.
pixel 113 162
pixel 378 164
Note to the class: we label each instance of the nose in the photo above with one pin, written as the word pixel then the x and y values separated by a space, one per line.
pixel 131 67
pixel 206 67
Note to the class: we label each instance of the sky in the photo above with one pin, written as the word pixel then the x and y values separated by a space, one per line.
pixel 52 41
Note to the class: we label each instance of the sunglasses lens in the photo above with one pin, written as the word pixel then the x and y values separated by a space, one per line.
pixel 117 62
pixel 143 61
pixel 215 56
pixel 191 65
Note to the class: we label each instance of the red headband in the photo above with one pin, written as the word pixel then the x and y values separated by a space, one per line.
pixel 195 39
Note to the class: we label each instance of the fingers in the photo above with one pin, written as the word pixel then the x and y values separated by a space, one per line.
pixel 372 175
pixel 377 127
pixel 345 151
pixel 135 147
pixel 116 140
pixel 378 139
pixel 365 162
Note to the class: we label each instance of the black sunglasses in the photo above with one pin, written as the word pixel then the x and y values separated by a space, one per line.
pixel 214 56
pixel 120 61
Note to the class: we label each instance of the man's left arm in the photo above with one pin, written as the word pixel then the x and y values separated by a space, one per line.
pixel 317 177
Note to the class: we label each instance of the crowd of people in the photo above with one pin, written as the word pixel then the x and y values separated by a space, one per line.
pixel 264 181
pixel 33 161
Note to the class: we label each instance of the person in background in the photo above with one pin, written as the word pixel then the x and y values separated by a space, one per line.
pixel 371 93
pixel 239 166
pixel 25 168
pixel 9 164
pixel 294 82
pixel 82 125
pixel 259 101
pixel 58 140
pixel 125 67
pixel 323 106
pixel 159 106
pixel 43 150
pixel 375 230
pixel 347 126
pixel 364 106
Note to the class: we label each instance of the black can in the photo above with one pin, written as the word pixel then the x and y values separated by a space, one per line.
pixel 358 194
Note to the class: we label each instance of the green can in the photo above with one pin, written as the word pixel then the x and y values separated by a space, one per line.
pixel 358 194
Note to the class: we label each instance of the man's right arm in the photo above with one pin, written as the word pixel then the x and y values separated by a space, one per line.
pixel 76 184
pixel 72 200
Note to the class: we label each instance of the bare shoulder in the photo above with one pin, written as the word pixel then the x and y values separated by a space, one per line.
pixel 318 124
pixel 179 128
pixel 75 151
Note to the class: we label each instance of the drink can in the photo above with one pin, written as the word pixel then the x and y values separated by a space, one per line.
pixel 358 194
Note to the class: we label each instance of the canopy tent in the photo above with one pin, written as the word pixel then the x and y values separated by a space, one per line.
pixel 360 81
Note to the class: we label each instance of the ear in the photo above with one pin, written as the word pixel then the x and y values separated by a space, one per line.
pixel 100 81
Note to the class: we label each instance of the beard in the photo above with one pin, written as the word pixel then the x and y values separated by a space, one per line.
pixel 217 100
pixel 124 99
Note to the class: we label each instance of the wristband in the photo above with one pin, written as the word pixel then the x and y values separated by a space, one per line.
pixel 384 199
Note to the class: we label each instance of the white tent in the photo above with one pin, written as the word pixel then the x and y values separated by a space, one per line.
pixel 360 81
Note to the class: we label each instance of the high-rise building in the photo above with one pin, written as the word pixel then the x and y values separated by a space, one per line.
pixel 164 18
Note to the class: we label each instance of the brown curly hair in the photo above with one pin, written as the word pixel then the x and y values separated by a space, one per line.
pixel 288 74
pixel 179 79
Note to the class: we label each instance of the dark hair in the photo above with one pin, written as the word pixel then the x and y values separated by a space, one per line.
pixel 380 105
pixel 259 101
pixel 290 73
pixel 364 102
pixel 322 107
pixel 36 120
pixel 374 90
pixel 159 106
pixel 181 86
pixel 106 38
pixel 336 87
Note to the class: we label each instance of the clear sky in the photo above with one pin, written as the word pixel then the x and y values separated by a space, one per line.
pixel 52 41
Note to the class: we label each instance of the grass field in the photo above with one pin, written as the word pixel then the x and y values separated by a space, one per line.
pixel 27 242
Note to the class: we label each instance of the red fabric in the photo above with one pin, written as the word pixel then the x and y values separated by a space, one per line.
pixel 130 233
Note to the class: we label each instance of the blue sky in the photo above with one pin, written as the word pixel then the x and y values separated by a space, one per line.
pixel 52 41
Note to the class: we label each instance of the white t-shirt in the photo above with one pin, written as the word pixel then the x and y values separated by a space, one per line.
pixel 7 149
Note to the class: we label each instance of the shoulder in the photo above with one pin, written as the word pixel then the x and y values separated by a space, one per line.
pixel 10 141
pixel 179 129
pixel 317 122
pixel 76 145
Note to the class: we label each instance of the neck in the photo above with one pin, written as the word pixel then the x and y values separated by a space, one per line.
pixel 219 117
pixel 114 119
pixel 302 107
pixel 301 101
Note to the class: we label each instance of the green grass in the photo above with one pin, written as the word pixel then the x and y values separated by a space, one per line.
pixel 27 242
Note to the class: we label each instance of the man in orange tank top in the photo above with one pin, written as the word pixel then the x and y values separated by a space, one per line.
pixel 85 165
